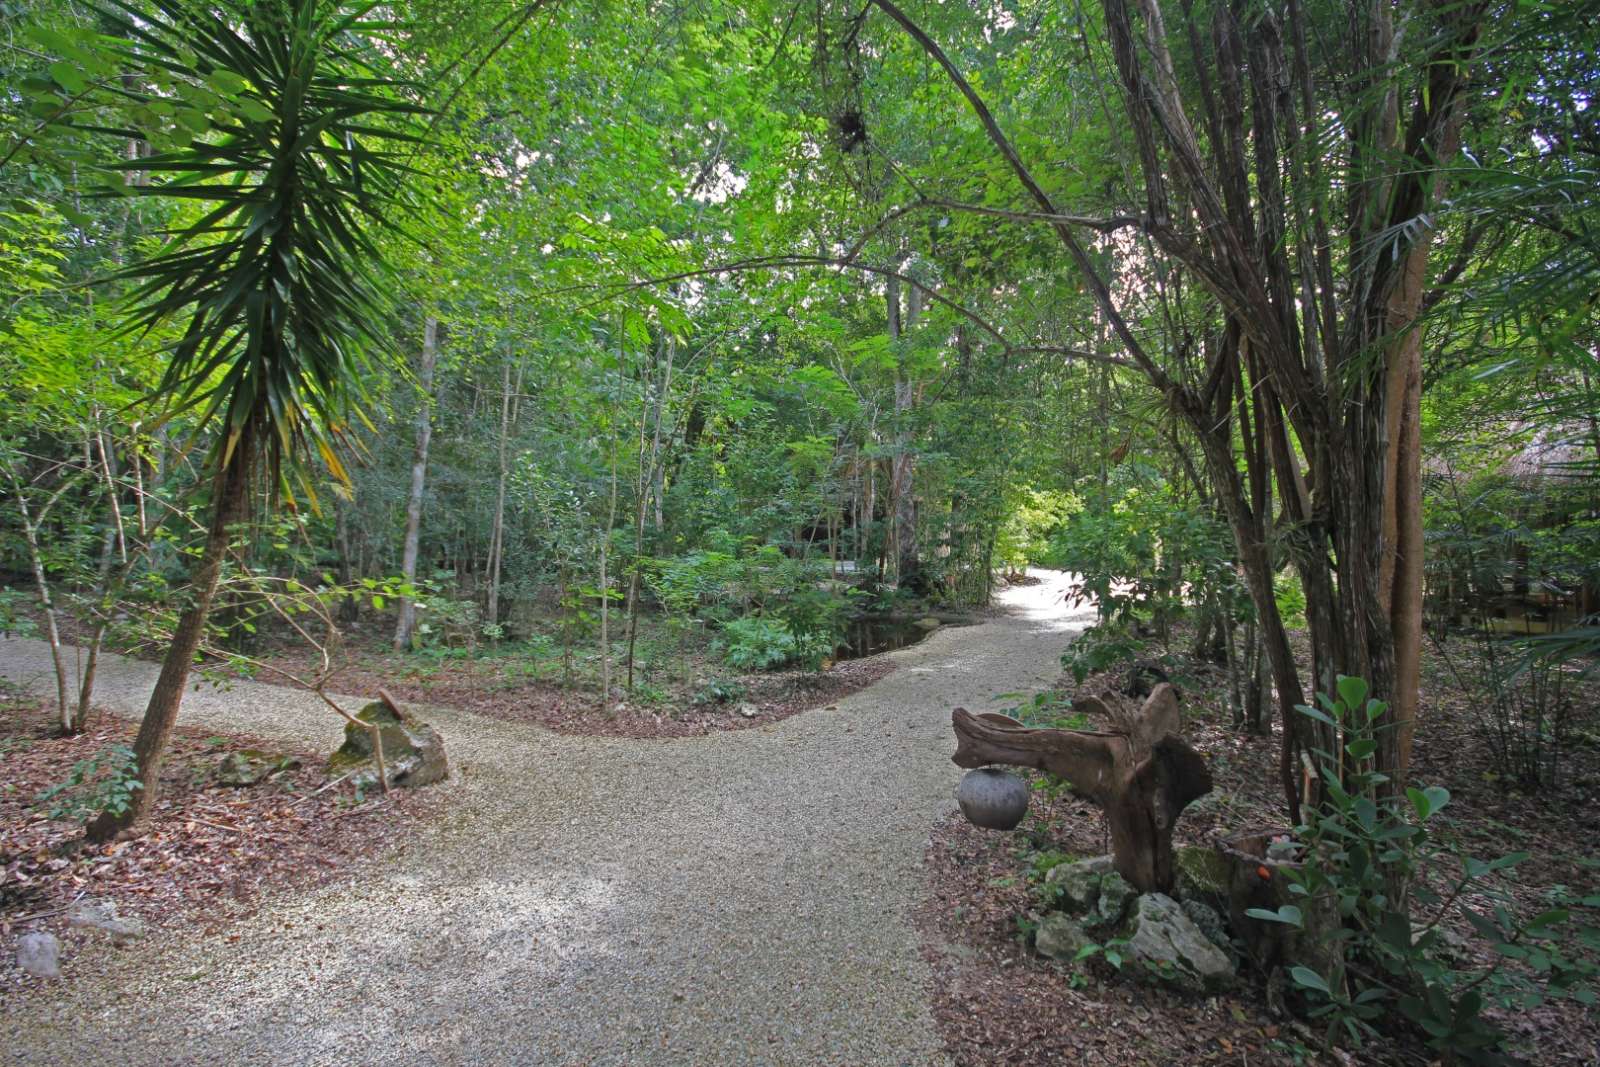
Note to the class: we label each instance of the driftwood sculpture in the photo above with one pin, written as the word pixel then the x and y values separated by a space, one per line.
pixel 1141 773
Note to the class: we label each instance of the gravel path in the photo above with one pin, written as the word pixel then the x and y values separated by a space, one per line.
pixel 739 898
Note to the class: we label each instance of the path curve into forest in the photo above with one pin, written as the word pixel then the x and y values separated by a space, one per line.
pixel 739 898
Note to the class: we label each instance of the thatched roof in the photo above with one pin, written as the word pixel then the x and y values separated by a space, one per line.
pixel 1559 452
pixel 1532 453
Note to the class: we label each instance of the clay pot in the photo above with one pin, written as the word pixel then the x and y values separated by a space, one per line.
pixel 992 798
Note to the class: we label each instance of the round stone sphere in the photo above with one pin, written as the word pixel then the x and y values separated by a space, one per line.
pixel 992 798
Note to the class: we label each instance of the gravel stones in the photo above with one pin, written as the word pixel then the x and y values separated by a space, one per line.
pixel 102 915
pixel 737 898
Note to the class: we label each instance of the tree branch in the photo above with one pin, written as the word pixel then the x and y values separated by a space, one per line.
pixel 780 262
pixel 1097 285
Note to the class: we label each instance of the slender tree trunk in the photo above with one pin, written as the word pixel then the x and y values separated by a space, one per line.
pixel 419 472
pixel 605 592
pixel 908 564
pixel 30 533
pixel 650 467
pixel 497 536
pixel 110 578
pixel 1401 568
pixel 229 506
pixel 104 604
pixel 349 606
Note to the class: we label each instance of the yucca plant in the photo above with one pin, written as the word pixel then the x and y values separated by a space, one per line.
pixel 272 290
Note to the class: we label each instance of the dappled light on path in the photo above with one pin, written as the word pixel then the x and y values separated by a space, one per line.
pixel 735 898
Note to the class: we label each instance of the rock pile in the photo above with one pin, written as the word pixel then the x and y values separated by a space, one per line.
pixel 1184 945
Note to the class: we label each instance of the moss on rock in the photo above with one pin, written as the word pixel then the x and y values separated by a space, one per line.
pixel 413 751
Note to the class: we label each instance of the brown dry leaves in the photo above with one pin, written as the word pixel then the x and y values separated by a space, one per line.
pixel 208 854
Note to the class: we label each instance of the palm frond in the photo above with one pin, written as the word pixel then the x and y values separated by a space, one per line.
pixel 274 286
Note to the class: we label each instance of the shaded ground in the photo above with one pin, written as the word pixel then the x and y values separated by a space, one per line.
pixel 212 851
pixel 494 687
pixel 741 897
pixel 998 1002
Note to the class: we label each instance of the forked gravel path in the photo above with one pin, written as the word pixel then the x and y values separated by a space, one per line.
pixel 740 898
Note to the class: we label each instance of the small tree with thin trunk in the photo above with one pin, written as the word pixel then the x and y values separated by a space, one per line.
pixel 273 283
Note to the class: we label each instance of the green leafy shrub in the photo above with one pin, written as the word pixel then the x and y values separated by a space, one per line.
pixel 802 613
pixel 720 691
pixel 817 616
pixel 756 643
pixel 1291 598
pixel 1145 556
pixel 1364 855
pixel 1036 519
pixel 105 781
pixel 14 618
pixel 1102 647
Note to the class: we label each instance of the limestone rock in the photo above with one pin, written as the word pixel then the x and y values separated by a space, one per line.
pixel 1060 937
pixel 1210 923
pixel 749 711
pixel 250 766
pixel 413 751
pixel 39 954
pixel 1079 883
pixel 1115 896
pixel 102 915
pixel 1170 948
pixel 927 623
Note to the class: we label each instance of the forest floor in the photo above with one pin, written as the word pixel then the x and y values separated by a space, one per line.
pixel 1035 1011
pixel 213 851
pixel 737 897
pixel 680 688
pixel 703 696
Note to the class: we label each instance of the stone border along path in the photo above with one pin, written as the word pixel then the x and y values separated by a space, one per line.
pixel 738 898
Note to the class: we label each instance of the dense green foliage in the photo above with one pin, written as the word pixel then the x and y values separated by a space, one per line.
pixel 750 318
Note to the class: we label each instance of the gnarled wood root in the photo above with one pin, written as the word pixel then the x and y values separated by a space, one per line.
pixel 1142 774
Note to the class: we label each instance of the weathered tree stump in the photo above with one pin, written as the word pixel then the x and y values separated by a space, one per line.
pixel 1258 879
pixel 1141 773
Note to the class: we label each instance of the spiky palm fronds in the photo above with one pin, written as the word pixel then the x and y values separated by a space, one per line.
pixel 274 287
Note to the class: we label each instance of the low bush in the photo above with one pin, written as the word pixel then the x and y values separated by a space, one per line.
pixel 1367 855
pixel 756 643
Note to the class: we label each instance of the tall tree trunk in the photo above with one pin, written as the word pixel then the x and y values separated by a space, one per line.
pixel 908 567
pixel 349 607
pixel 30 532
pixel 231 491
pixel 605 591
pixel 419 473
pixel 650 470
pixel 497 536
pixel 105 603
pixel 1400 570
